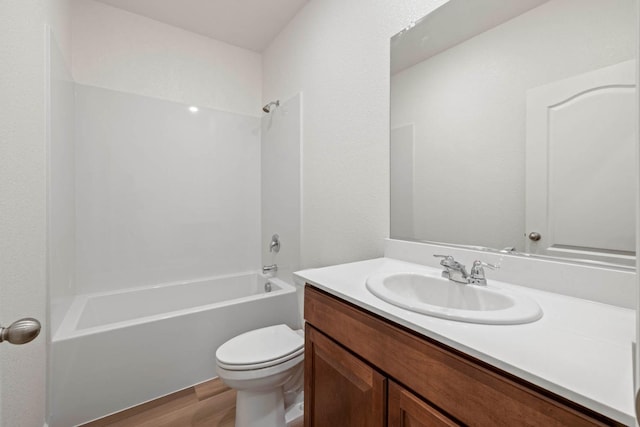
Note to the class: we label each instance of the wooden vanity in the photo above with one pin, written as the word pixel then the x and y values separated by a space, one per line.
pixel 364 370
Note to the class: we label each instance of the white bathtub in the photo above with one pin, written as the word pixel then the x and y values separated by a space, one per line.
pixel 117 350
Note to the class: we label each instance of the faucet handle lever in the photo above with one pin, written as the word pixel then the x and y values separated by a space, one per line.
pixel 274 246
pixel 453 270
pixel 477 264
pixel 477 272
pixel 447 260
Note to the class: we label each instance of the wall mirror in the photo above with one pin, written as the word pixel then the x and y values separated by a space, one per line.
pixel 513 127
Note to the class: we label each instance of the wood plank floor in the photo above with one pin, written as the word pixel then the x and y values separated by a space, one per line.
pixel 208 404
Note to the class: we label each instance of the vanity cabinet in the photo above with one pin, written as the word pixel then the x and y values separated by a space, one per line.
pixel 363 370
pixel 345 390
pixel 408 410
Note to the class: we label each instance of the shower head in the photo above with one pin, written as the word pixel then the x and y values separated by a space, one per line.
pixel 267 108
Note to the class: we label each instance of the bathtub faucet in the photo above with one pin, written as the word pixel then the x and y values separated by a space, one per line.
pixel 269 268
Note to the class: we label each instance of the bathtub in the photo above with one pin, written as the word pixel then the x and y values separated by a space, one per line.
pixel 116 350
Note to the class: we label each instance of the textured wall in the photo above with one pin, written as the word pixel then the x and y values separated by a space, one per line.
pixel 23 197
pixel 337 53
pixel 119 50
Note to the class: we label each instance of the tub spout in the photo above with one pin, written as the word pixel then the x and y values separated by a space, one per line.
pixel 269 268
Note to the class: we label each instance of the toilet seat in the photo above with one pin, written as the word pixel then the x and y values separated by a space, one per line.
pixel 260 348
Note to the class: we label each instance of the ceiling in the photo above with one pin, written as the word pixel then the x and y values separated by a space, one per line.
pixel 251 24
pixel 451 24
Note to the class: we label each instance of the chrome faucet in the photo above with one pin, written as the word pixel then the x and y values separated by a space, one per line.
pixel 457 272
pixel 477 273
pixel 269 268
pixel 453 270
pixel 274 246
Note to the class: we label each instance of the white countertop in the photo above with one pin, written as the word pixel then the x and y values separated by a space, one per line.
pixel 581 350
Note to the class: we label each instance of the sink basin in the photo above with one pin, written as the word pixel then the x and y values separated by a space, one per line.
pixel 435 296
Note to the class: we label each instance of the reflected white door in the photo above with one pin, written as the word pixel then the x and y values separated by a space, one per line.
pixel 580 170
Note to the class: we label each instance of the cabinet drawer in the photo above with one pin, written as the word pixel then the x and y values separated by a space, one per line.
pixel 473 392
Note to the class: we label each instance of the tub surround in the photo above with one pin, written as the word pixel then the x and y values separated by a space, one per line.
pixel 580 350
pixel 143 220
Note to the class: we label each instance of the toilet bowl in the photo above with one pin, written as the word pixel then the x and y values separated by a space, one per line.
pixel 262 365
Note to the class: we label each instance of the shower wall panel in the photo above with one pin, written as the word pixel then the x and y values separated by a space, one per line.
pixel 281 185
pixel 163 193
pixel 61 187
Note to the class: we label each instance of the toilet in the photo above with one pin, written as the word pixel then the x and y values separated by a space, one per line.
pixel 265 367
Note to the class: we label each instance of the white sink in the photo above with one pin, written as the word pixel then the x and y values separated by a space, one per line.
pixel 435 296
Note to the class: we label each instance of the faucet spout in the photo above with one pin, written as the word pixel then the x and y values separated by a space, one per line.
pixel 269 268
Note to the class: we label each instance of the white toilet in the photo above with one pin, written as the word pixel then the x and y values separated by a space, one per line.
pixel 265 366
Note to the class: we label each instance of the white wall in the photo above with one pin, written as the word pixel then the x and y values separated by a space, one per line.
pixel 119 50
pixel 23 197
pixel 61 188
pixel 337 53
pixel 281 183
pixel 468 106
pixel 162 193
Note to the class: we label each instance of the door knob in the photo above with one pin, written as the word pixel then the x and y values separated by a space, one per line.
pixel 21 331
pixel 535 236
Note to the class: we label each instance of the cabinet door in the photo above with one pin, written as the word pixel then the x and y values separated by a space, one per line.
pixel 407 410
pixel 340 389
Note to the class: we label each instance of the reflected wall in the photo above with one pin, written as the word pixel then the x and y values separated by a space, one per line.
pixel 467 105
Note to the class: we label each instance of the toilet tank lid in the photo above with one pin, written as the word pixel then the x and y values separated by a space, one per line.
pixel 260 345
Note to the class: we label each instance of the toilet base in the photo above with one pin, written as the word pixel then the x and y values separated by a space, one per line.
pixel 260 408
pixel 254 408
pixel 294 415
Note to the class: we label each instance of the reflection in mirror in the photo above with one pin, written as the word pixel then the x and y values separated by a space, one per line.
pixel 513 126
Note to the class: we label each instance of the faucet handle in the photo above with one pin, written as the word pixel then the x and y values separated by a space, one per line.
pixel 274 246
pixel 447 260
pixel 477 272
pixel 477 264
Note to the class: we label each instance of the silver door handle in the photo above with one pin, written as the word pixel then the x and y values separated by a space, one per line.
pixel 535 236
pixel 21 331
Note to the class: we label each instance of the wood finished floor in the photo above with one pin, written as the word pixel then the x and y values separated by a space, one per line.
pixel 207 404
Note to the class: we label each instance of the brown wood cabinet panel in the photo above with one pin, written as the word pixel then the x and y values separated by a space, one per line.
pixel 340 389
pixel 473 392
pixel 407 410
